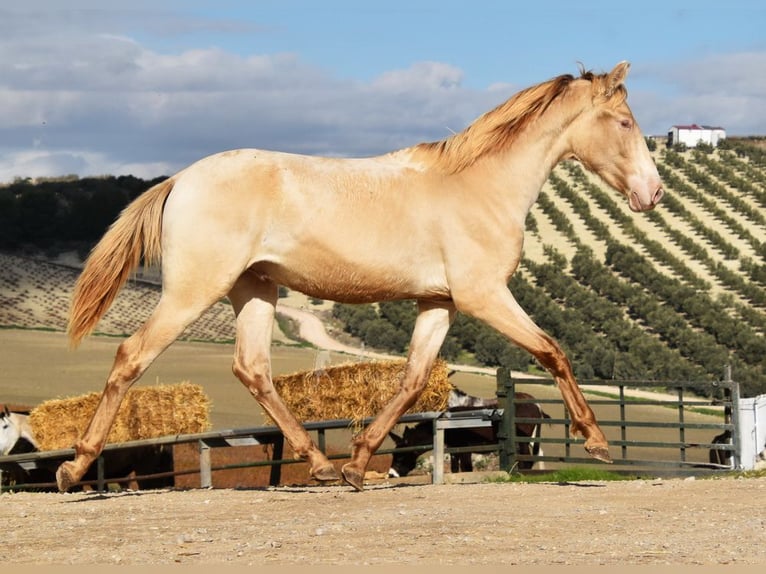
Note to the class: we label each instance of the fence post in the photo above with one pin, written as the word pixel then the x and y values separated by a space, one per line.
pixel 100 480
pixel 623 428
pixel 205 472
pixel 276 469
pixel 506 433
pixel 681 426
pixel 438 473
pixel 733 416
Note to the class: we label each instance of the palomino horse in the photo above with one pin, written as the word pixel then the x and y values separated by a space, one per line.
pixel 441 223
pixel 421 434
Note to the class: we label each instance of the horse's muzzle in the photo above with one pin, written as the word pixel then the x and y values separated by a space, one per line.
pixel 639 204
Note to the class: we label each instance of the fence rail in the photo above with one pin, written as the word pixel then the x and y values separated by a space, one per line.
pixel 666 435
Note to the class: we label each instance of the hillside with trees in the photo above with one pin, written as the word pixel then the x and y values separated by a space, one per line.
pixel 678 293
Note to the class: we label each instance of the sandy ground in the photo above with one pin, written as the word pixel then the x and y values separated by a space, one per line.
pixel 638 522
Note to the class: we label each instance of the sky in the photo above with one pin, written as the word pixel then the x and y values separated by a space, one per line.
pixel 148 87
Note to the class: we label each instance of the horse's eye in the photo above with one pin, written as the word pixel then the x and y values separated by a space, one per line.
pixel 626 123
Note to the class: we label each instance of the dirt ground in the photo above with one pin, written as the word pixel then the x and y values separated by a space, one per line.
pixel 649 522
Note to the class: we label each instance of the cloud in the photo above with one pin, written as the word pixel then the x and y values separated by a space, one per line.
pixel 726 90
pixel 105 102
pixel 80 92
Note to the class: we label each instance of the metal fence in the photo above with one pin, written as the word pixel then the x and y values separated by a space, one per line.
pixel 671 425
pixel 678 441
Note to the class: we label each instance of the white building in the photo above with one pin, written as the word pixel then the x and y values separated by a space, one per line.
pixel 693 134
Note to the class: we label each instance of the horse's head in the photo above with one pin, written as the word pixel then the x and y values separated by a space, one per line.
pixel 9 431
pixel 402 463
pixel 606 139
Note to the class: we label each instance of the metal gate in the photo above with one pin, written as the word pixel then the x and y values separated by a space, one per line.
pixel 696 422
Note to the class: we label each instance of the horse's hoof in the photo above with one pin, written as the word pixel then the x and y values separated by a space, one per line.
pixel 326 474
pixel 599 453
pixel 64 478
pixel 353 477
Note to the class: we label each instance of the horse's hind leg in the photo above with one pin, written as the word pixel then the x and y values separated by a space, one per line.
pixel 133 357
pixel 254 303
pixel 431 327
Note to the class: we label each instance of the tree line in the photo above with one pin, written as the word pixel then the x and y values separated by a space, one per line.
pixel 66 213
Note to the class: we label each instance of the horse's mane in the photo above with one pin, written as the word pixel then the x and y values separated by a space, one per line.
pixel 497 129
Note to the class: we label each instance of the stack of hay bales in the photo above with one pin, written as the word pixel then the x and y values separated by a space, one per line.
pixel 357 391
pixel 146 412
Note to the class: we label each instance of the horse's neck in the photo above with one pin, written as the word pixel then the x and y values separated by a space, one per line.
pixel 516 175
pixel 24 428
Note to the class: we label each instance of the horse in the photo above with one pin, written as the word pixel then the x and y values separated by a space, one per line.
pixel 441 223
pixel 16 434
pixel 17 437
pixel 421 434
pixel 760 460
pixel 718 456
pixel 459 399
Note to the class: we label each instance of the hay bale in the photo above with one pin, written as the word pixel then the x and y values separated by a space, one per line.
pixel 146 412
pixel 357 391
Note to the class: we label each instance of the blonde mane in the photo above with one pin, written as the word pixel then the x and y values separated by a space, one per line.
pixel 497 129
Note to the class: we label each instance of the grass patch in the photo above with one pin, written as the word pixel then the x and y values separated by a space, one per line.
pixel 565 475
pixel 586 474
pixel 741 474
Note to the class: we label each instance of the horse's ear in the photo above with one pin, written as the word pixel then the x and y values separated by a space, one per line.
pixel 616 77
pixel 396 438
pixel 6 412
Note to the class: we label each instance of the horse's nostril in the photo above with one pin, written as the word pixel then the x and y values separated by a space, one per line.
pixel 658 196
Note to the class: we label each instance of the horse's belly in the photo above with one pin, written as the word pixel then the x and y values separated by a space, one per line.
pixel 344 283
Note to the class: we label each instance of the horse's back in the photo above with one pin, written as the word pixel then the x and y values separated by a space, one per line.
pixel 337 229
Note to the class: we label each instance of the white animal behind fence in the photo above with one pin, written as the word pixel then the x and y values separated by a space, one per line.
pixel 13 428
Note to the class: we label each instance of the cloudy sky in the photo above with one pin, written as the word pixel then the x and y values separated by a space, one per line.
pixel 147 87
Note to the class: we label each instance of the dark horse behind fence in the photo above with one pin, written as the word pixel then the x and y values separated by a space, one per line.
pixel 439 222
pixel 17 437
pixel 421 434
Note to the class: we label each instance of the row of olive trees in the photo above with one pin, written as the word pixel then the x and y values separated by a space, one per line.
pixel 704 325
pixel 658 251
pixel 388 326
pixel 704 190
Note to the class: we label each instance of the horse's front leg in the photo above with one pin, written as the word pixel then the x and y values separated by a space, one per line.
pixel 254 303
pixel 500 310
pixel 431 327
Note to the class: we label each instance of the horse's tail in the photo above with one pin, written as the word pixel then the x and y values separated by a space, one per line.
pixel 136 233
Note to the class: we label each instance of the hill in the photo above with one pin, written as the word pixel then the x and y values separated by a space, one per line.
pixel 678 293
pixel 689 277
pixel 35 294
